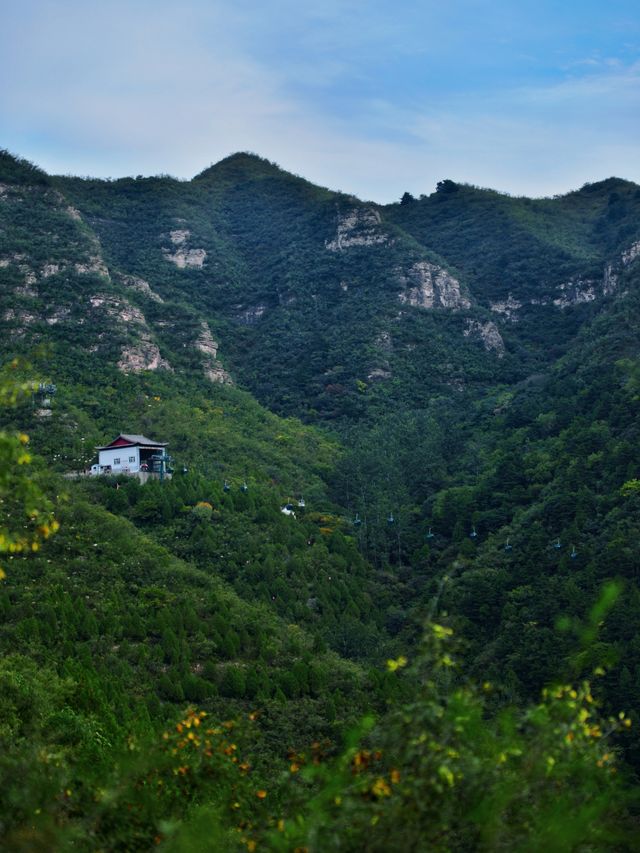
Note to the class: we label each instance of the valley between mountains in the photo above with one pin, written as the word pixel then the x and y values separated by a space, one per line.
pixel 405 454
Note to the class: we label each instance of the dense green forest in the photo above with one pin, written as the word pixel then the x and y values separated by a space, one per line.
pixel 436 646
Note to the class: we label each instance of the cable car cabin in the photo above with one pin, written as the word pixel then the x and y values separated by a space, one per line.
pixel 133 454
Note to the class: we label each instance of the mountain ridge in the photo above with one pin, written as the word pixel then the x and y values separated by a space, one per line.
pixel 407 270
pixel 249 159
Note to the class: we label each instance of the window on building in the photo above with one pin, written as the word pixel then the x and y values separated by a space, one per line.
pixel 132 459
pixel 116 461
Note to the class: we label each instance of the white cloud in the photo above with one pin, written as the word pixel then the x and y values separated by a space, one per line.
pixel 116 87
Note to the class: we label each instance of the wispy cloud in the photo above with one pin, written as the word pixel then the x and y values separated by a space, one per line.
pixel 356 95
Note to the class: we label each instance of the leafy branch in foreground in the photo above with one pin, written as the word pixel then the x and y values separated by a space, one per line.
pixel 439 774
pixel 26 514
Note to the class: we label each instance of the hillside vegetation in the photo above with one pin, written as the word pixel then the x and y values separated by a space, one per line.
pixel 438 649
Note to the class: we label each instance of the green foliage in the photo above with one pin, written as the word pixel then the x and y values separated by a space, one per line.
pixel 27 513
pixel 437 770
pixel 153 597
pixel 438 773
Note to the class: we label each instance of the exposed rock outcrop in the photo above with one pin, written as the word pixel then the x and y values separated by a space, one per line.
pixel 578 290
pixel 384 345
pixel 94 265
pixel 29 276
pixel 216 373
pixel 612 270
pixel 629 255
pixel 575 292
pixel 609 280
pixel 384 342
pixel 180 236
pixel 141 286
pixel 360 226
pixel 379 374
pixel 508 308
pixel 143 353
pixel 117 308
pixel 58 316
pixel 187 258
pixel 487 333
pixel 49 270
pixel 24 318
pixel 426 285
pixel 30 279
pixel 14 193
pixel 205 343
pixel 180 254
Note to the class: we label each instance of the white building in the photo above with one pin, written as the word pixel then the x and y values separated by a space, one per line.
pixel 130 454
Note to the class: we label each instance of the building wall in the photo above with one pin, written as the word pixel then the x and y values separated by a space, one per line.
pixel 120 458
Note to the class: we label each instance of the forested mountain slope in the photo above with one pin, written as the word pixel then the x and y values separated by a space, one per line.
pixel 324 306
pixel 445 391
pixel 540 265
pixel 318 301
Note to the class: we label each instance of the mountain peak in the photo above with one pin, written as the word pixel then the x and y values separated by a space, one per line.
pixel 241 166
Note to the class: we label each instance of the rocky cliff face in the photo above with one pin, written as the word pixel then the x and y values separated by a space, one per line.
pixel 144 355
pixel 65 248
pixel 508 307
pixel 134 282
pixel 487 333
pixel 141 352
pixel 578 290
pixel 360 226
pixel 426 285
pixel 629 255
pixel 181 254
pixel 205 343
pixel 575 292
pixel 63 283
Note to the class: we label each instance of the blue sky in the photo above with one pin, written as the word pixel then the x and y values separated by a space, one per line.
pixel 370 97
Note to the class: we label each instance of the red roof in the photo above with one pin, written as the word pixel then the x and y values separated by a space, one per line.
pixel 120 442
pixel 126 440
